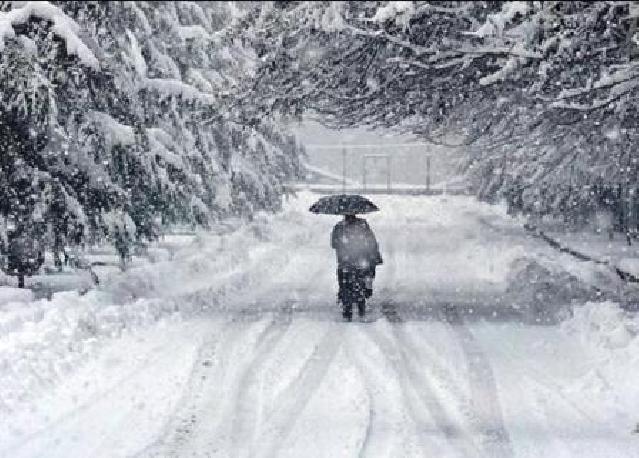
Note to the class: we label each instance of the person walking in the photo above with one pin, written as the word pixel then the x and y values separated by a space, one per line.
pixel 356 248
pixel 358 256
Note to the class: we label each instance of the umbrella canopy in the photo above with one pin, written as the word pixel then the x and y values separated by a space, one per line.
pixel 343 204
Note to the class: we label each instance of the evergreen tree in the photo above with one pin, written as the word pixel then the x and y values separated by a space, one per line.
pixel 115 114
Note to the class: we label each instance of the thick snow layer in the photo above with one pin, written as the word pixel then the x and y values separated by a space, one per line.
pixel 189 32
pixel 399 11
pixel 63 26
pixel 136 54
pixel 161 143
pixel 119 221
pixel 234 347
pixel 197 78
pixel 496 23
pixel 8 295
pixel 602 325
pixel 612 335
pixel 168 87
pixel 332 20
pixel 115 133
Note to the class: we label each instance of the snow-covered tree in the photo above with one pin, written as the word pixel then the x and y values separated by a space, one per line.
pixel 123 107
pixel 541 95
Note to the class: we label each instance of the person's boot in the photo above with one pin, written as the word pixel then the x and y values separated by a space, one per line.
pixel 347 312
pixel 361 309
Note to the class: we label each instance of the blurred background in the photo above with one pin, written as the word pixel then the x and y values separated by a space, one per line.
pixel 409 154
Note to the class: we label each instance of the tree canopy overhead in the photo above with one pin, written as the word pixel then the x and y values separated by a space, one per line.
pixel 539 94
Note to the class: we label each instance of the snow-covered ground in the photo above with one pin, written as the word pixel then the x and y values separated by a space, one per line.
pixel 233 347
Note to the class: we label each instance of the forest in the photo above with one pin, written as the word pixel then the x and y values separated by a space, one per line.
pixel 113 124
pixel 121 119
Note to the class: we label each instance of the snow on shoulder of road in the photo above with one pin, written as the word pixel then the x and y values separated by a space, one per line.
pixel 11 295
pixel 42 342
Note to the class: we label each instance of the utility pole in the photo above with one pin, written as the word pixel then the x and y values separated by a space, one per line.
pixel 629 197
pixel 428 174
pixel 364 173
pixel 343 170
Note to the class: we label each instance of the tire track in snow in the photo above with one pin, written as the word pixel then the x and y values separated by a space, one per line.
pixel 413 381
pixel 180 425
pixel 385 420
pixel 209 402
pixel 406 374
pixel 487 414
pixel 223 436
pixel 387 416
pixel 247 406
pixel 369 424
pixel 290 404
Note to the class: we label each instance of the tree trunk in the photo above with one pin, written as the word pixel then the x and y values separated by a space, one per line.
pixel 20 281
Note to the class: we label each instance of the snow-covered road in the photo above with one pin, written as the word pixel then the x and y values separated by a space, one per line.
pixel 451 364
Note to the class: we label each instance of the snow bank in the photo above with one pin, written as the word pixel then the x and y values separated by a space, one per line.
pixel 8 295
pixel 602 325
pixel 43 341
pixel 63 26
pixel 611 334
pixel 630 265
pixel 216 266
pixel 544 290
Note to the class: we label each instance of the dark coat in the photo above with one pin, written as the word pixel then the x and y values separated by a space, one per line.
pixel 355 244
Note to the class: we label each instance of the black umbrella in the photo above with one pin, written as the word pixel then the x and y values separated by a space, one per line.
pixel 343 204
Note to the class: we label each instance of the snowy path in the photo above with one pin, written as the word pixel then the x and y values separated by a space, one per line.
pixel 270 371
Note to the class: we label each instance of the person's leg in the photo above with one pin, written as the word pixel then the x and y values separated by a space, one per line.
pixel 368 290
pixel 361 292
pixel 347 311
pixel 340 285
pixel 361 307
pixel 57 262
pixel 370 276
pixel 346 293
